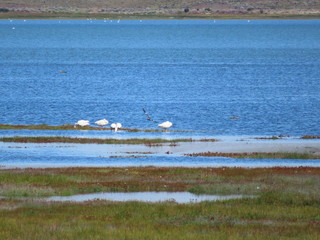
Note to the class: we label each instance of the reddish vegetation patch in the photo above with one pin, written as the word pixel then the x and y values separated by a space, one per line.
pixel 133 179
pixel 232 155
pixel 311 137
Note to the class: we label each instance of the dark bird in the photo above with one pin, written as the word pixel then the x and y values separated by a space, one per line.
pixel 147 115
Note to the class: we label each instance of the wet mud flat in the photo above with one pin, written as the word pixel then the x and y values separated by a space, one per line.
pixel 243 146
pixel 174 153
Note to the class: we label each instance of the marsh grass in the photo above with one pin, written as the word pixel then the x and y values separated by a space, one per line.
pixel 263 218
pixel 280 210
pixel 48 139
pixel 251 188
pixel 223 181
pixel 258 155
pixel 310 137
pixel 26 191
pixel 268 138
pixel 72 127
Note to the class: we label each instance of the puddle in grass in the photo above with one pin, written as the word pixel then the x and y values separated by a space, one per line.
pixel 178 197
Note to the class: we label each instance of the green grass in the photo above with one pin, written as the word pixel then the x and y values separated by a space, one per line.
pixel 236 219
pixel 287 204
pixel 223 181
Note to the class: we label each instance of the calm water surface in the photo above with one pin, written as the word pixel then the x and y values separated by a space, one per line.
pixel 178 197
pixel 194 73
pixel 105 155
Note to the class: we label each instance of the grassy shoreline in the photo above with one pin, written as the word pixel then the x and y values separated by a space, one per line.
pixel 72 127
pixel 45 139
pixel 69 127
pixel 287 205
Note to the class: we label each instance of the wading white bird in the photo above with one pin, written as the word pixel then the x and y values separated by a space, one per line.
pixel 116 126
pixel 102 122
pixel 82 123
pixel 165 125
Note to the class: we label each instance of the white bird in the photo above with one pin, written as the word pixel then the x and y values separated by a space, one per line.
pixel 102 122
pixel 82 123
pixel 165 125
pixel 116 126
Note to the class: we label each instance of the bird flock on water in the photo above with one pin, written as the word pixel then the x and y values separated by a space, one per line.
pixel 101 123
pixel 115 126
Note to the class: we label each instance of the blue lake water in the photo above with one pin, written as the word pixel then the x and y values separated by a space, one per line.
pixel 196 73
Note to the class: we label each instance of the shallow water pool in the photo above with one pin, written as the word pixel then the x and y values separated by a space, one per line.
pixel 178 197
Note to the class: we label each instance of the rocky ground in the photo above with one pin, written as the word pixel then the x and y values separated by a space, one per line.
pixel 191 8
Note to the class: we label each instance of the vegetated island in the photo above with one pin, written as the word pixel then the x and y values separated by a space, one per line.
pixel 163 9
pixel 48 139
pixel 72 127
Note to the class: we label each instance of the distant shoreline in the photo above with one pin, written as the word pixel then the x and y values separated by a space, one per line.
pixel 70 15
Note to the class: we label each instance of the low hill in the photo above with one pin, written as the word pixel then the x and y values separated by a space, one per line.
pixel 164 8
